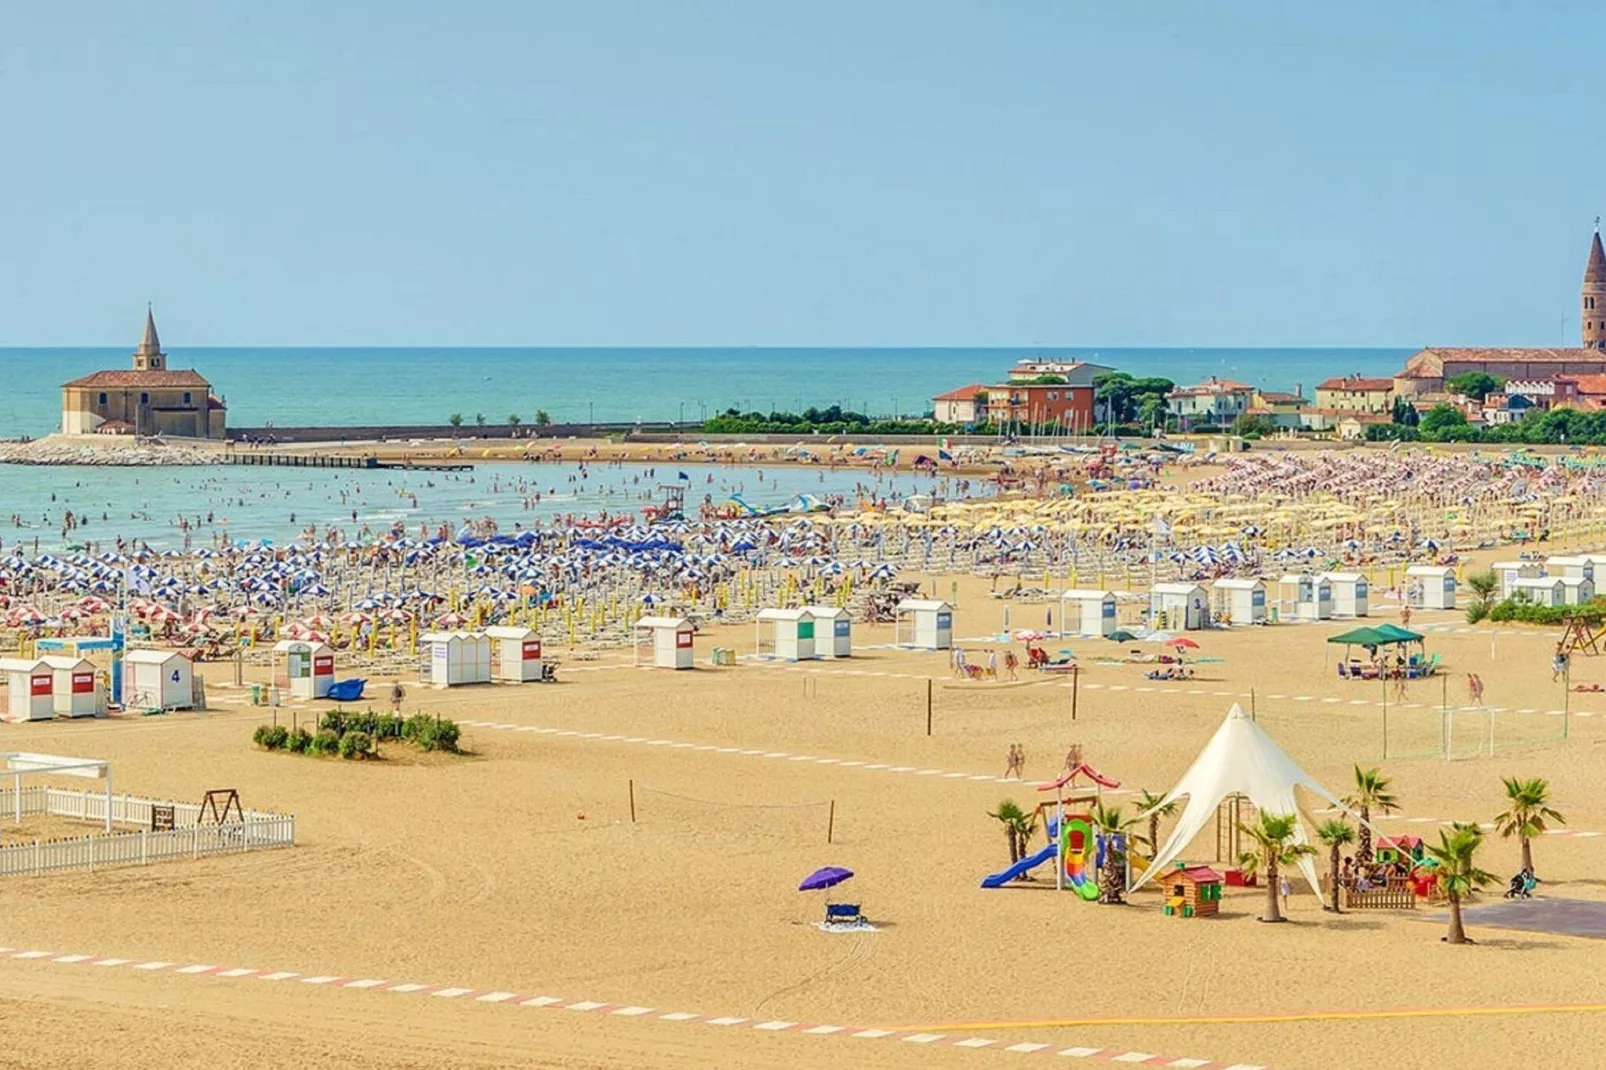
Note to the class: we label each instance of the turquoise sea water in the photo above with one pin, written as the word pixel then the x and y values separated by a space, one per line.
pixel 294 387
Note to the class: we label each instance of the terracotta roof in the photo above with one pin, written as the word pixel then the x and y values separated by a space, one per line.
pixel 132 380
pixel 1355 382
pixel 1281 397
pixel 1595 271
pixel 1429 363
pixel 1209 387
pixel 964 393
pixel 1368 417
pixel 1591 384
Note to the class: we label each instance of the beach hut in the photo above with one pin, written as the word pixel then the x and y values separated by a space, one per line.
pixel 664 642
pixel 1349 593
pixel 1571 568
pixel 303 668
pixel 1539 590
pixel 1182 606
pixel 29 689
pixel 159 678
pixel 924 624
pixel 791 633
pixel 1087 613
pixel 1508 572
pixel 75 690
pixel 1576 590
pixel 1242 602
pixel 833 631
pixel 517 654
pixel 452 659
pixel 1305 597
pixel 1430 586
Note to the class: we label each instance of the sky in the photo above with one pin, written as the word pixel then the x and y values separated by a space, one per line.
pixel 759 172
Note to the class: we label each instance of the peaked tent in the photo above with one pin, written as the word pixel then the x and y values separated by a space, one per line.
pixel 1240 759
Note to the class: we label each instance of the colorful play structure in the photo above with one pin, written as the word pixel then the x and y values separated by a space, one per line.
pixel 1074 846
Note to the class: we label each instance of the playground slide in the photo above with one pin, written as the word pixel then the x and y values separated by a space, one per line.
pixel 1084 886
pixel 998 880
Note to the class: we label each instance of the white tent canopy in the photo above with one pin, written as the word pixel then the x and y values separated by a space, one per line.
pixel 1240 759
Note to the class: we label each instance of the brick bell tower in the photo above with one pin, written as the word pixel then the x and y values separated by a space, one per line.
pixel 1593 303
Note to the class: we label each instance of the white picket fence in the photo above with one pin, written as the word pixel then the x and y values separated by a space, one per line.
pixel 259 831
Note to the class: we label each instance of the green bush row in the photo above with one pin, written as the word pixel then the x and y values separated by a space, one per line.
pixel 356 735
pixel 352 745
pixel 1521 611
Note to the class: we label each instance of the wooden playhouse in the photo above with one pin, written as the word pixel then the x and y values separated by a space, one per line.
pixel 1192 892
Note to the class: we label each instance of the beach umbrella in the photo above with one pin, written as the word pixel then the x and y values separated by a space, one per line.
pixel 1182 642
pixel 1120 635
pixel 825 877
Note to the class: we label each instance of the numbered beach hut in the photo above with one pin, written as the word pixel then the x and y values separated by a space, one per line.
pixel 924 624
pixel 1305 597
pixel 663 642
pixel 1178 605
pixel 1086 613
pixel 303 668
pixel 1349 590
pixel 452 659
pixel 833 631
pixel 29 691
pixel 516 654
pixel 791 633
pixel 75 689
pixel 1242 602
pixel 1540 590
pixel 1431 586
pixel 1509 572
pixel 159 678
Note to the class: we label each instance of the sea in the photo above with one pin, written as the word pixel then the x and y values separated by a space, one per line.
pixel 355 387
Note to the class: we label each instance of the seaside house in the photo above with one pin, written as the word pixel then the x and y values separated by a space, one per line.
pixel 1074 372
pixel 1038 408
pixel 1351 426
pixel 1355 393
pixel 1555 392
pixel 967 405
pixel 1214 402
pixel 1279 408
pixel 149 399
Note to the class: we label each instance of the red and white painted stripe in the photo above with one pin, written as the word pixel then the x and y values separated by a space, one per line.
pixel 537 1001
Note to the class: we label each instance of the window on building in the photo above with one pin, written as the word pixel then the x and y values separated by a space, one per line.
pixel 186 397
pixel 144 399
pixel 103 398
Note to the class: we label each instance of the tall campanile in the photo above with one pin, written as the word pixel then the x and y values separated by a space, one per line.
pixel 1594 295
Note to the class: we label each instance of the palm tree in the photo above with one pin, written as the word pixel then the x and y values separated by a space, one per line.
pixel 1527 811
pixel 455 419
pixel 1335 834
pixel 1018 827
pixel 1459 875
pixel 513 419
pixel 1110 822
pixel 1149 802
pixel 1483 584
pixel 1274 837
pixel 1371 792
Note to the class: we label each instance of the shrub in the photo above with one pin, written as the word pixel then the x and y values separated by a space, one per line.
pixel 430 733
pixel 356 745
pixel 275 736
pixel 300 741
pixel 327 741
pixel 1476 612
pixel 260 736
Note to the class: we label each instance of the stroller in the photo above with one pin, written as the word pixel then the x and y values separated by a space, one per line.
pixel 1522 886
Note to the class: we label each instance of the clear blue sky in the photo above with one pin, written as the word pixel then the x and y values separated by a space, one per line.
pixel 822 173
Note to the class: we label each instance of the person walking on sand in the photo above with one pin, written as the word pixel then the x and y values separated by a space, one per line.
pixel 397 693
pixel 1016 757
pixel 1011 663
pixel 1285 888
pixel 1475 688
pixel 1405 615
pixel 1558 664
pixel 992 664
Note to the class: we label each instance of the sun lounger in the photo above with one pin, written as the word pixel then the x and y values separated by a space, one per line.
pixel 843 912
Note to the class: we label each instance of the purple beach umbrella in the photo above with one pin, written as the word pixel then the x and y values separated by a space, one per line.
pixel 828 877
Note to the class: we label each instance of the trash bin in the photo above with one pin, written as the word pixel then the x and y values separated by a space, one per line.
pixel 257 698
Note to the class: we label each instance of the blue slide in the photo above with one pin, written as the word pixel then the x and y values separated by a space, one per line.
pixel 1047 854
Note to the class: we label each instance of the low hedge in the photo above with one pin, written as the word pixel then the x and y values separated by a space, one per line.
pixel 1522 611
pixel 356 735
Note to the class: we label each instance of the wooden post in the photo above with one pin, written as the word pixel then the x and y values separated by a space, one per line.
pixel 928 706
pixel 1076 682
pixel 830 823
pixel 632 802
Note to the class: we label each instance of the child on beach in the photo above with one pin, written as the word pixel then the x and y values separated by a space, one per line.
pixel 397 693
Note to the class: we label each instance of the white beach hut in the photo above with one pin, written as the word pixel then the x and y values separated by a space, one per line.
pixel 452 659
pixel 1178 605
pixel 1305 597
pixel 1430 586
pixel 664 642
pixel 924 624
pixel 791 633
pixel 1509 572
pixel 75 687
pixel 1576 590
pixel 517 653
pixel 29 690
pixel 1242 602
pixel 1087 613
pixel 1540 590
pixel 303 668
pixel 833 631
pixel 1349 593
pixel 159 678
pixel 1573 568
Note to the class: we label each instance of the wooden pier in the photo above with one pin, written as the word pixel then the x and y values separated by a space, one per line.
pixel 342 460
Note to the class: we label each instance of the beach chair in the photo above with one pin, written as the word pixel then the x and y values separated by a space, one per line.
pixel 849 913
pixel 1343 671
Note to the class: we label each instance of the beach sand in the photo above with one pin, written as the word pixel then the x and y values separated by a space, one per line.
pixel 518 869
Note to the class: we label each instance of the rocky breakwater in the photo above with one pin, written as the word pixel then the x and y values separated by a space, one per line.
pixel 62 450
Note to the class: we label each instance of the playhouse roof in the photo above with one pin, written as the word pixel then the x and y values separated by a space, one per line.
pixel 1240 759
pixel 1197 874
pixel 1409 843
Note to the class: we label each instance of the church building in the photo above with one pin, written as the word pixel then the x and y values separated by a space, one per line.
pixel 149 399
